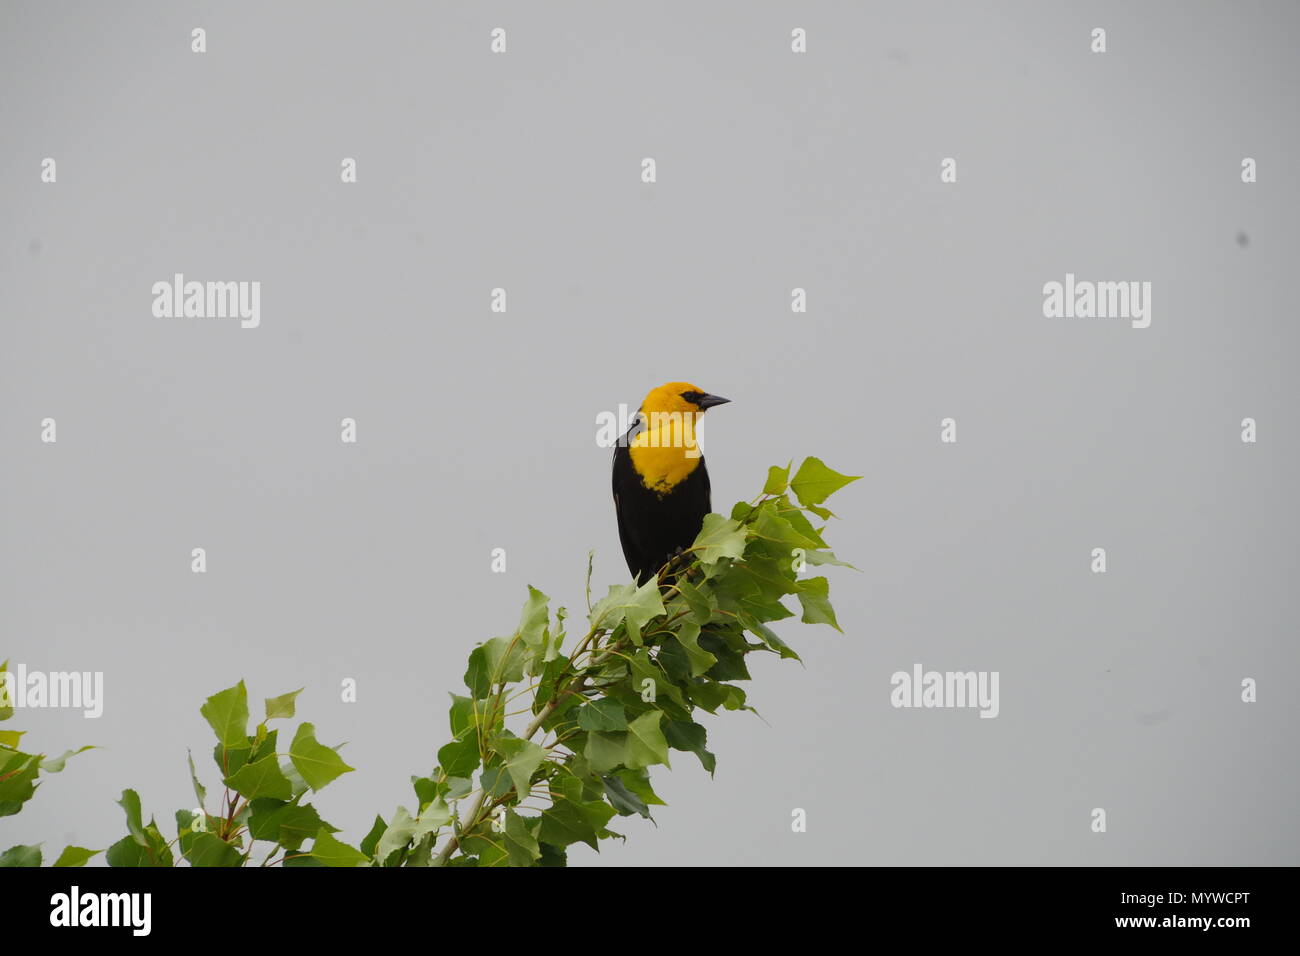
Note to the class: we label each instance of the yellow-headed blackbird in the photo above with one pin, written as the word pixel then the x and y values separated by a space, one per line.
pixel 661 487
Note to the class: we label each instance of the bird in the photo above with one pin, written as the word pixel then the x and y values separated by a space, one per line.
pixel 661 485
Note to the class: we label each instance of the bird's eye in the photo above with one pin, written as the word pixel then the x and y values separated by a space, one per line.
pixel 693 397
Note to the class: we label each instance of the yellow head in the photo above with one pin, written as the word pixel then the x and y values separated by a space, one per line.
pixel 680 397
pixel 665 451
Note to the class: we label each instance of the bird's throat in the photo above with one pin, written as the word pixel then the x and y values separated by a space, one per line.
pixel 665 453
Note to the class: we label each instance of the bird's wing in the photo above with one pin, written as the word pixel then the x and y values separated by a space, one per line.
pixel 629 535
pixel 707 488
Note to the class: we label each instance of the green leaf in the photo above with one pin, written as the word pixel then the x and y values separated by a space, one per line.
pixel 159 852
pixel 784 508
pixel 707 694
pixel 605 751
pixel 647 603
pixel 554 639
pixel 623 799
pixel 700 602
pixel 229 760
pixel 75 856
pixel 690 737
pixel 552 671
pixel 267 747
pixel 642 667
pixel 777 479
pixel 461 716
pixel 317 763
pixel 731 662
pixel 6 691
pixel 421 851
pixel 486 844
pixel 130 803
pixel 719 538
pixel 608 611
pixel 563 823
pixel 735 699
pixel 294 777
pixel 145 845
pixel 815 482
pixel 436 815
pixel 458 787
pixel 636 606
pixel 496 781
pixel 763 580
pixel 199 790
pixel 813 595
pixel 332 852
pixel 282 706
pixel 770 638
pixel 534 618
pixel 645 741
pixel 478 676
pixel 10 738
pixel 185 831
pixel 523 757
pixel 126 852
pixel 55 764
pixel 261 779
pixel 570 818
pixel 421 854
pixel 500 660
pixel 747 594
pixel 774 528
pixel 638 781
pixel 287 824
pixel 397 835
pixel 672 658
pixel 426 788
pixel 460 758
pixel 826 557
pixel 506 658
pixel 371 840
pixel 553 855
pixel 687 635
pixel 602 714
pixel 521 845
pixel 21 856
pixel 227 714
pixel 208 849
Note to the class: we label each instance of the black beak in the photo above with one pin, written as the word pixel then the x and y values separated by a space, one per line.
pixel 705 402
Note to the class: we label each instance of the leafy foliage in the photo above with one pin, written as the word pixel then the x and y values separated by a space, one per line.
pixel 19 779
pixel 595 719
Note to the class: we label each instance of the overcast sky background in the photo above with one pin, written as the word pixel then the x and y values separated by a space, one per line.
pixel 477 430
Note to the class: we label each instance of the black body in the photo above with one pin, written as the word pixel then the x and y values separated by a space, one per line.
pixel 653 529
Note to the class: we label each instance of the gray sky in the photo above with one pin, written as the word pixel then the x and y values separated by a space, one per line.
pixel 476 430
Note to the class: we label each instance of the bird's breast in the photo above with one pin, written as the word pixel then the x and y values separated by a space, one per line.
pixel 662 468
